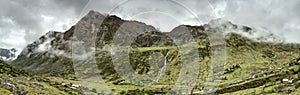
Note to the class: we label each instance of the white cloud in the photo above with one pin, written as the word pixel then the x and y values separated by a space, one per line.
pixel 274 15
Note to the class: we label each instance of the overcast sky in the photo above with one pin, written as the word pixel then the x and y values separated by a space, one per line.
pixel 23 21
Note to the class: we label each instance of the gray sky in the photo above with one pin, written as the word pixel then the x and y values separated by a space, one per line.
pixel 23 21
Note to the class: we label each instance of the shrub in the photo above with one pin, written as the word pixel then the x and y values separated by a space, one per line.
pixel 298 76
pixel 294 69
pixel 7 69
pixel 74 93
pixel 94 90
pixel 297 85
pixel 232 69
pixel 67 89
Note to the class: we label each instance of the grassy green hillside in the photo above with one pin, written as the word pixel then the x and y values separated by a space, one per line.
pixel 251 68
pixel 19 82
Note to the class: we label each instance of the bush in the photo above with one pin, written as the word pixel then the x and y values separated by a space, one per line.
pixel 94 90
pixel 294 69
pixel 294 62
pixel 297 85
pixel 7 69
pixel 269 53
pixel 67 89
pixel 232 69
pixel 74 93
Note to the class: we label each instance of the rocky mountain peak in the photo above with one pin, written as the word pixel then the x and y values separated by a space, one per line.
pixel 42 44
pixel 7 54
pixel 93 13
pixel 220 23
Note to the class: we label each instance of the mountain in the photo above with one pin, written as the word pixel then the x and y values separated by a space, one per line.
pixel 252 56
pixel 7 54
pixel 55 47
pixel 45 50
